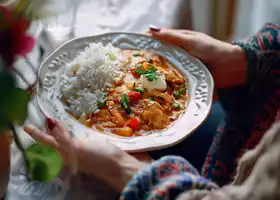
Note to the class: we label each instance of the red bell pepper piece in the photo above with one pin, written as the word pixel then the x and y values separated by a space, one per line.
pixel 134 73
pixel 134 97
pixel 133 123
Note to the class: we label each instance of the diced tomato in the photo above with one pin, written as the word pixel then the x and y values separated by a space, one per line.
pixel 133 123
pixel 134 73
pixel 134 97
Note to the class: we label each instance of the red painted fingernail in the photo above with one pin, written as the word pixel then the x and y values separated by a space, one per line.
pixel 154 28
pixel 51 123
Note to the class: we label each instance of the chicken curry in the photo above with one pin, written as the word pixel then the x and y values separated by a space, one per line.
pixel 150 97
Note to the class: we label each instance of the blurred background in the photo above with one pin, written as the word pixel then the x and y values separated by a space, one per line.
pixel 224 19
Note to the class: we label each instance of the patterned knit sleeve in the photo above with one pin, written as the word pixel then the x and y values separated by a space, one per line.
pixel 165 179
pixel 250 109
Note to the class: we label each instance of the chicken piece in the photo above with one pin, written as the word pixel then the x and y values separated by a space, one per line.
pixel 108 125
pixel 102 115
pixel 118 119
pixel 172 77
pixel 156 60
pixel 153 115
pixel 100 128
pixel 162 95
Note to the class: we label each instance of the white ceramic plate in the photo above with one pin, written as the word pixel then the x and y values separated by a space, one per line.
pixel 200 90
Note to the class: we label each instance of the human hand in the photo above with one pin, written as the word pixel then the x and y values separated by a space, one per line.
pixel 99 158
pixel 226 62
pixel 58 138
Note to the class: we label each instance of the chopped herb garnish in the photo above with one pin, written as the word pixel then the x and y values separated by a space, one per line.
pixel 140 90
pixel 176 106
pixel 139 65
pixel 126 103
pixel 151 74
pixel 139 69
pixel 151 68
pixel 176 95
pixel 182 91
pixel 136 54
pixel 150 77
pixel 101 104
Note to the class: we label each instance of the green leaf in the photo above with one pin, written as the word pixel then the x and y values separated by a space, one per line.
pixel 4 124
pixel 7 82
pixel 15 105
pixel 45 162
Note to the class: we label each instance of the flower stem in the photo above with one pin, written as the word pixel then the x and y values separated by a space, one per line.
pixel 20 75
pixel 27 60
pixel 30 87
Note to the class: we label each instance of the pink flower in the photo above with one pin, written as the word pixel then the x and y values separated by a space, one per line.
pixel 13 38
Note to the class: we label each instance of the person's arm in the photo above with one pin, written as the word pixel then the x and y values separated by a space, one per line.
pixel 251 108
pixel 165 179
pixel 231 67
pixel 114 167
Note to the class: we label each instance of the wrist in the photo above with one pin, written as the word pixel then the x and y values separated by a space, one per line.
pixel 234 64
pixel 232 55
pixel 128 166
pixel 114 168
pixel 239 64
pixel 238 56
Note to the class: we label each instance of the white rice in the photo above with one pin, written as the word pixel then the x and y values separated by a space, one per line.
pixel 96 68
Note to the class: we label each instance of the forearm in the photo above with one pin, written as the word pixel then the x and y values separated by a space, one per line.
pixel 113 166
pixel 231 69
pixel 128 166
pixel 250 108
pixel 236 60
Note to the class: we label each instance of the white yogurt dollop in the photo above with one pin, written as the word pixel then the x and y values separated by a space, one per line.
pixel 159 83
